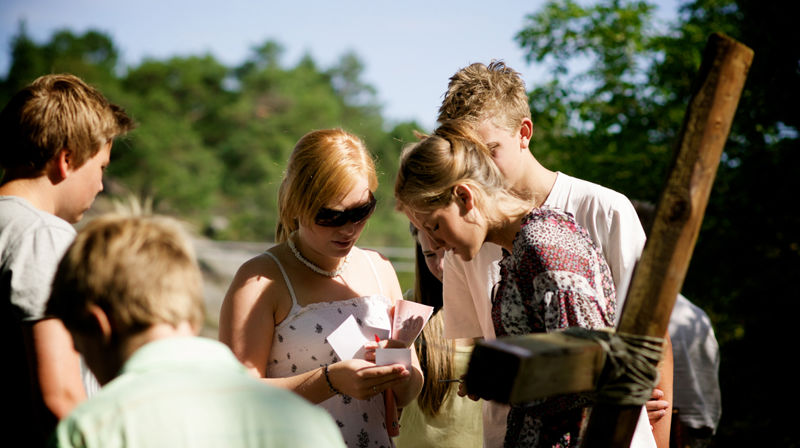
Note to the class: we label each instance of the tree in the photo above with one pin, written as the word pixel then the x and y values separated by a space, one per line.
pixel 274 107
pixel 91 56
pixel 213 141
pixel 195 85
pixel 604 112
pixel 171 157
pixel 387 226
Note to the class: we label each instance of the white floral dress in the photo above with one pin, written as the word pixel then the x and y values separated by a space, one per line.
pixel 300 345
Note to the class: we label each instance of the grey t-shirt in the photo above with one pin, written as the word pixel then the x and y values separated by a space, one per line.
pixel 32 243
pixel 696 358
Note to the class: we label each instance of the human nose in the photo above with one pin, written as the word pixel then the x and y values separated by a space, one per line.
pixel 440 261
pixel 350 228
pixel 436 243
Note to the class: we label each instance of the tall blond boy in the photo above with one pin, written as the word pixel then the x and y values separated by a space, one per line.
pixel 493 100
pixel 55 141
pixel 130 292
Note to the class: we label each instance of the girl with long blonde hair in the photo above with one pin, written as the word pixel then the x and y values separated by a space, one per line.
pixel 283 304
pixel 552 275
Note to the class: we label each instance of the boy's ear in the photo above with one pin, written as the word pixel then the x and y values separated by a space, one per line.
pixel 464 197
pixel 525 132
pixel 62 163
pixel 102 322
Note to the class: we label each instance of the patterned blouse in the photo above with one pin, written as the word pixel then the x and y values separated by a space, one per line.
pixel 554 278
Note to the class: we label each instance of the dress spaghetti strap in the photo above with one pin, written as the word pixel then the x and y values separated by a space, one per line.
pixel 374 272
pixel 285 279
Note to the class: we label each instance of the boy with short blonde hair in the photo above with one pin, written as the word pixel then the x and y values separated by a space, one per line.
pixel 492 99
pixel 139 271
pixel 479 92
pixel 130 292
pixel 53 113
pixel 55 141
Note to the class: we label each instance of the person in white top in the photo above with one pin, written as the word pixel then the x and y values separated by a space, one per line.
pixel 493 100
pixel 283 305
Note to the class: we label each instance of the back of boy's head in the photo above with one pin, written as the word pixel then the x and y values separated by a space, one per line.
pixel 140 271
pixel 52 113
pixel 480 92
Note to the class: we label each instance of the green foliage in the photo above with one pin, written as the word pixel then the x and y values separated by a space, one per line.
pixel 213 140
pixel 611 114
pixel 92 56
pixel 388 227
pixel 602 112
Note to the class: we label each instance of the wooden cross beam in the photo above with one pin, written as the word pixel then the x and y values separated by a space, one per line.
pixel 523 368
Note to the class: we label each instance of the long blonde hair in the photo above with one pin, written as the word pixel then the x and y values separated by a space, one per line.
pixel 435 352
pixel 430 169
pixel 323 167
pixel 436 357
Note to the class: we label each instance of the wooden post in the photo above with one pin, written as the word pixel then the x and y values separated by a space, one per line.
pixel 662 268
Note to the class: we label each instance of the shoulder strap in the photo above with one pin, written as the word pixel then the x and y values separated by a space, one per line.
pixel 374 271
pixel 285 278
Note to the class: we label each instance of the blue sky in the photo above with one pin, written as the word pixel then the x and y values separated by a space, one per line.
pixel 410 48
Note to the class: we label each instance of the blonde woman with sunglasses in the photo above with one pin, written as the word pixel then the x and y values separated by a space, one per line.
pixel 283 304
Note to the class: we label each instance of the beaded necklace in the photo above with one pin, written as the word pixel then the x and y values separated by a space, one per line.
pixel 309 264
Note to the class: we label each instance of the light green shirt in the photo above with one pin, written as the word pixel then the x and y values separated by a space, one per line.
pixel 193 392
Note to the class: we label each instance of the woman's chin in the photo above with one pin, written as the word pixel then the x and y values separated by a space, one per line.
pixel 465 255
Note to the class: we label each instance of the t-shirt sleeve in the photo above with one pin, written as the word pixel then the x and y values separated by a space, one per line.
pixel 31 269
pixel 625 240
pixel 460 316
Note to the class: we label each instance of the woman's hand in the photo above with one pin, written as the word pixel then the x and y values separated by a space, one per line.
pixel 656 407
pixel 462 390
pixel 362 379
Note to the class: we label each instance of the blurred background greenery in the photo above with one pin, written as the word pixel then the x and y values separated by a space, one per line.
pixel 213 141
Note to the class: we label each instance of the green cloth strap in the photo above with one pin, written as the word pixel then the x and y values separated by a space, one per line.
pixel 631 368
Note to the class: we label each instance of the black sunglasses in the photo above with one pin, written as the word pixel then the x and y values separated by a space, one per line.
pixel 337 218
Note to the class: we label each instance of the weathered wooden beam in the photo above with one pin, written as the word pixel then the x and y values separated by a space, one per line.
pixel 662 268
pixel 517 369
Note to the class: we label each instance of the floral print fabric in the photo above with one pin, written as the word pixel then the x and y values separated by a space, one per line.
pixel 300 344
pixel 554 278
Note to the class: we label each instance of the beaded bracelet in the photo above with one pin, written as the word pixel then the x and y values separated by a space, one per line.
pixel 328 380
